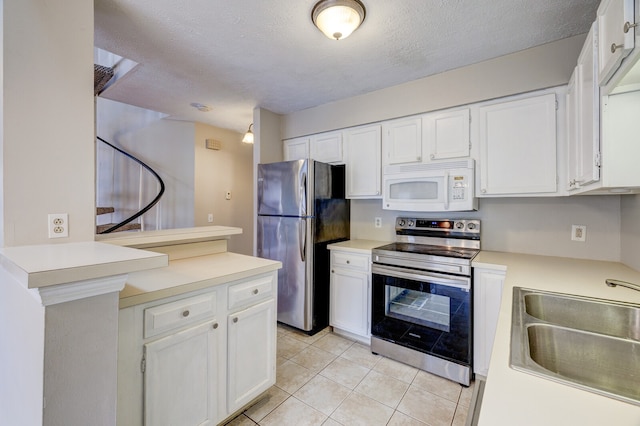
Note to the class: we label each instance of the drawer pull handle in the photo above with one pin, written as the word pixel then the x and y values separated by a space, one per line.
pixel 215 325
pixel 235 319
pixel 255 291
pixel 185 313
pixel 615 47
pixel 628 25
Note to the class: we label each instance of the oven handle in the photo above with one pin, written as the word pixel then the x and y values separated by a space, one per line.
pixel 412 274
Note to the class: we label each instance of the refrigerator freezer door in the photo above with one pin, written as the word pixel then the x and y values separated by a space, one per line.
pixel 289 240
pixel 283 188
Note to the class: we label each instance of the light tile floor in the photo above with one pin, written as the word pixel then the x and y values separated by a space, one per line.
pixel 329 380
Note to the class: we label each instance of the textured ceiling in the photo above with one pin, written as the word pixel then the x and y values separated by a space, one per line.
pixel 235 55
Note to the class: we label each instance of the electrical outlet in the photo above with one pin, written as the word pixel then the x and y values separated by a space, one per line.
pixel 58 225
pixel 228 195
pixel 578 233
pixel 210 217
pixel 377 222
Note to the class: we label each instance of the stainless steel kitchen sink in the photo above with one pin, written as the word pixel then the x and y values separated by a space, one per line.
pixel 592 344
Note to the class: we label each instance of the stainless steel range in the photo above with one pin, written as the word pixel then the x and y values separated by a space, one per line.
pixel 422 296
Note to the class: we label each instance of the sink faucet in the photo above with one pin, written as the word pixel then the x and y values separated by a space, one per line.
pixel 612 283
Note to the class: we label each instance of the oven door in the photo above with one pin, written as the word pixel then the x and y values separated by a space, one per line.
pixel 425 311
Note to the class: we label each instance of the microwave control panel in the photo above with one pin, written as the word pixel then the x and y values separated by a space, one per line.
pixel 458 187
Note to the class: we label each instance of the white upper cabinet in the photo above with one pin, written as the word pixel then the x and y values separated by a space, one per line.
pixel 362 162
pixel 326 147
pixel 296 149
pixel 616 34
pixel 518 146
pixel 402 141
pixel 583 118
pixel 447 134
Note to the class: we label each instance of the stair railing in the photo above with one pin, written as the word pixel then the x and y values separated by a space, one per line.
pixel 148 206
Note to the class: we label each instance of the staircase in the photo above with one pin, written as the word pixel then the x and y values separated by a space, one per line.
pixel 102 76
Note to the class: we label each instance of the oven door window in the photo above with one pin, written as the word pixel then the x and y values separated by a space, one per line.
pixel 417 307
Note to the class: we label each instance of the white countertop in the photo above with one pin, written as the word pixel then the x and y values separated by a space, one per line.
pixel 195 273
pixel 52 264
pixel 357 245
pixel 169 236
pixel 516 398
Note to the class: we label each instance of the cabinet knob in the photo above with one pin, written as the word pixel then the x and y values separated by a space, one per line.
pixel 215 325
pixel 333 272
pixel 628 25
pixel 235 319
pixel 185 313
pixel 433 156
pixel 418 158
pixel 255 291
pixel 484 191
pixel 348 262
pixel 614 47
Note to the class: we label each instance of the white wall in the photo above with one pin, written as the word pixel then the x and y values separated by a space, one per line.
pixel 216 172
pixel 21 354
pixel 520 225
pixel 536 68
pixel 630 230
pixel 165 145
pixel 48 120
pixel 81 341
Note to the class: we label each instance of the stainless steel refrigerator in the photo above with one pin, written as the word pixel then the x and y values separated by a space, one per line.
pixel 301 209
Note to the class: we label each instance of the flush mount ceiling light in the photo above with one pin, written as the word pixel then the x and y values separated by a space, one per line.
pixel 248 137
pixel 201 107
pixel 337 19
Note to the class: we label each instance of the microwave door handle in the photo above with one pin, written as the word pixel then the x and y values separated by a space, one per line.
pixel 446 190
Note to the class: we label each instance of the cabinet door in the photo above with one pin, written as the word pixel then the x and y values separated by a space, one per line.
pixel 296 149
pixel 362 159
pixel 448 134
pixel 613 42
pixel 518 146
pixel 327 147
pixel 251 353
pixel 402 141
pixel 573 130
pixel 349 301
pixel 180 379
pixel 589 114
pixel 487 297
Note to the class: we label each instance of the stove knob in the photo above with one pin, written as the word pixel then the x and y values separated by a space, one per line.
pixel 401 222
pixel 459 225
pixel 471 226
pixel 410 223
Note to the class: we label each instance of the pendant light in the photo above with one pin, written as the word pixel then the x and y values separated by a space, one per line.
pixel 337 19
pixel 248 137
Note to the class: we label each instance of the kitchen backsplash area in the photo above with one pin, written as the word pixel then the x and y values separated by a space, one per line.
pixel 535 225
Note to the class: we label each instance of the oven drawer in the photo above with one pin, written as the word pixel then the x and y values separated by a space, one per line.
pixel 354 261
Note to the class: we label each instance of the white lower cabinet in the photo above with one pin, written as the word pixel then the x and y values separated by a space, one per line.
pixel 182 367
pixel 487 296
pixel 251 353
pixel 197 358
pixel 350 300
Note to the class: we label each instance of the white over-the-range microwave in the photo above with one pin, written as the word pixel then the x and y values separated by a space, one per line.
pixel 431 187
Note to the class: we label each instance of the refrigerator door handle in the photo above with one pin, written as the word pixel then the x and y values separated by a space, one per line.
pixel 302 238
pixel 303 195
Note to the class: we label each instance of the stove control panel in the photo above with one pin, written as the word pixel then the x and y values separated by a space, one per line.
pixel 463 226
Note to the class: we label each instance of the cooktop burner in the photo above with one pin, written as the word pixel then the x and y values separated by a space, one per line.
pixel 433 250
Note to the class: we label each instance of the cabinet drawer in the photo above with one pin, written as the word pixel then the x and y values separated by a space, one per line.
pixel 246 293
pixel 177 314
pixel 354 261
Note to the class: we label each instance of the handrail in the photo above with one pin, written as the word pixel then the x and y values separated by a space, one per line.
pixel 148 206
